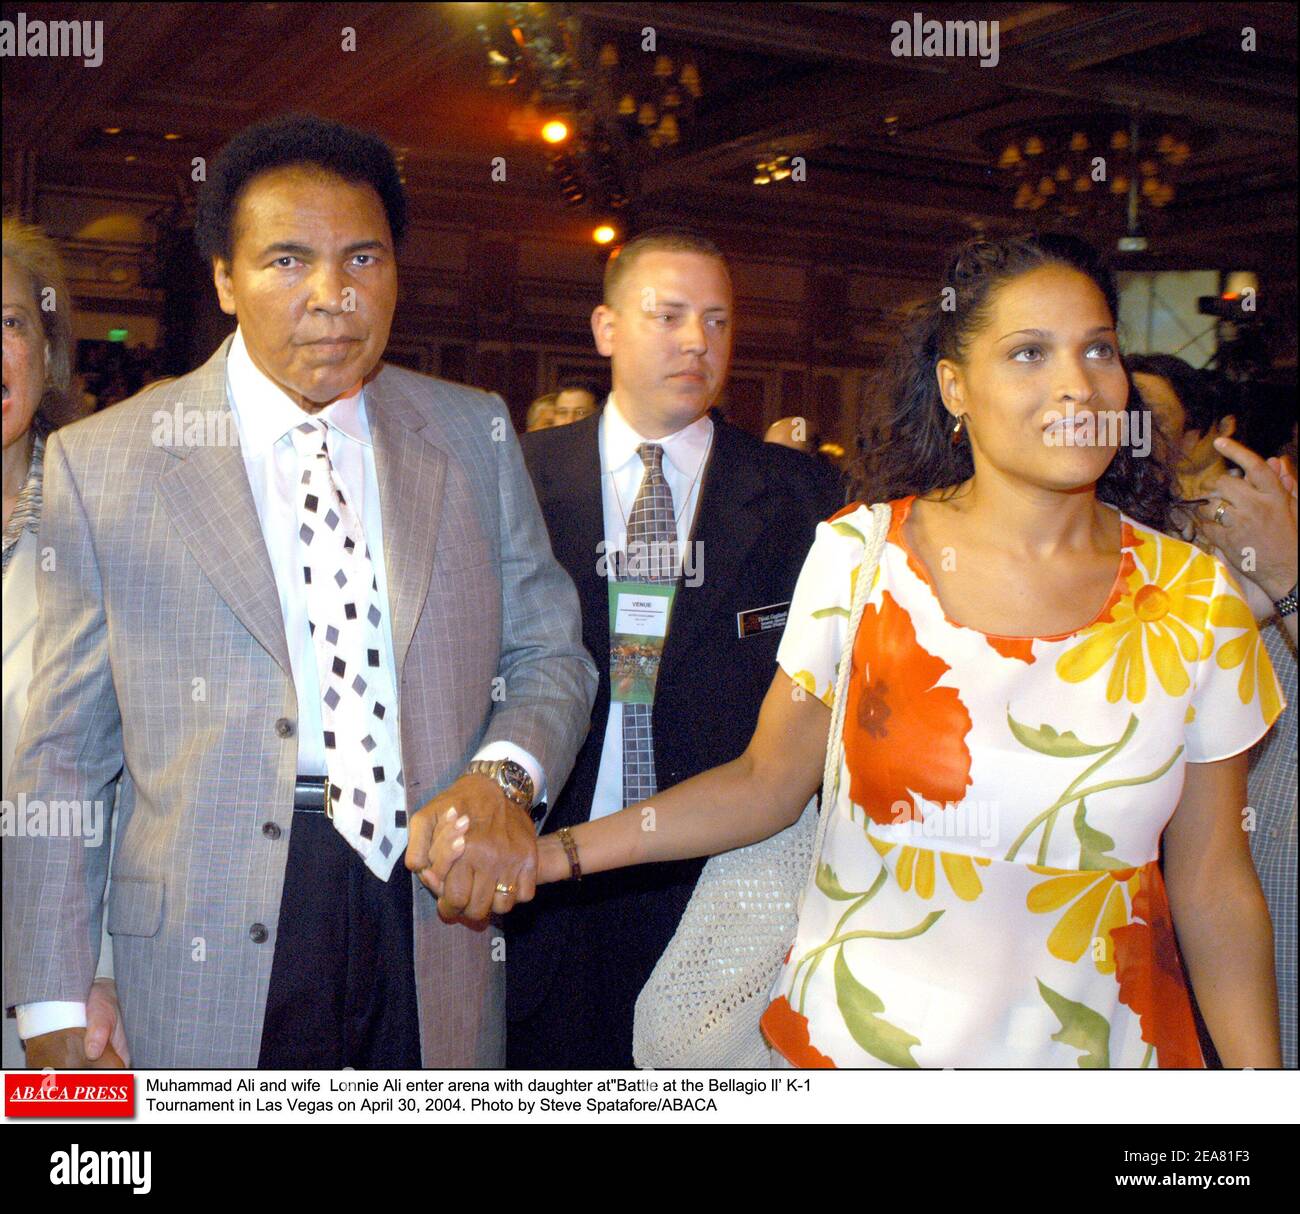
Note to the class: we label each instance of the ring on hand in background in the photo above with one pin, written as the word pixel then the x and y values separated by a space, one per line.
pixel 502 888
pixel 1220 512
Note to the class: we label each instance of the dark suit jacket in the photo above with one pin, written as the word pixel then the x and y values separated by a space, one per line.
pixel 579 954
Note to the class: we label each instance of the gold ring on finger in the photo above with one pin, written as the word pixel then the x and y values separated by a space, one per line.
pixel 1220 512
pixel 502 888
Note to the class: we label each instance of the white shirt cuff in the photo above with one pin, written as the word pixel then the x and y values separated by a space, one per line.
pixel 508 750
pixel 49 1016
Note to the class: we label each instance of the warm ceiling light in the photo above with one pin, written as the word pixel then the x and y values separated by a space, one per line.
pixel 555 131
pixel 171 135
pixel 112 130
pixel 603 234
pixel 129 159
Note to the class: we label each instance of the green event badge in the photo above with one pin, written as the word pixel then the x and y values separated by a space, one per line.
pixel 638 627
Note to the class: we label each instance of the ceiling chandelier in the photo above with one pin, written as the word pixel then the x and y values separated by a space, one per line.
pixel 772 168
pixel 590 109
pixel 535 52
pixel 653 97
pixel 1111 172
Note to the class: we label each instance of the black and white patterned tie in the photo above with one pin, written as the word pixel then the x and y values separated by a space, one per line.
pixel 358 696
pixel 652 554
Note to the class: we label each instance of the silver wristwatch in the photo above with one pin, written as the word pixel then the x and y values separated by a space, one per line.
pixel 514 779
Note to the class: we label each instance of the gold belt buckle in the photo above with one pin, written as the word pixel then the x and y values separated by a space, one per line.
pixel 329 800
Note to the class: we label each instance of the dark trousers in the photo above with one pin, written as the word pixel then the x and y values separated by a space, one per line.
pixel 343 977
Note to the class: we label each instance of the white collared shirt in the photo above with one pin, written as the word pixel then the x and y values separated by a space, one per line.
pixel 621 473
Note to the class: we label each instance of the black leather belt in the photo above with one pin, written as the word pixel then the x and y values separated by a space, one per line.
pixel 309 796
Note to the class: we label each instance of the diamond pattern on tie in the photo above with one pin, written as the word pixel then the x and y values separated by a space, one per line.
pixel 361 742
pixel 650 556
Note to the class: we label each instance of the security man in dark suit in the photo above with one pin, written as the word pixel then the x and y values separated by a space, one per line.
pixel 709 527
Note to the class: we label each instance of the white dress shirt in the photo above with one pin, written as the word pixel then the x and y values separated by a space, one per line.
pixel 264 417
pixel 621 473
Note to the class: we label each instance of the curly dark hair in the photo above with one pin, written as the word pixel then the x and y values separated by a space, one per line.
pixel 294 139
pixel 909 450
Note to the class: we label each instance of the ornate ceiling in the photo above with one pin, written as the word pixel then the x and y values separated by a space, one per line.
pixel 815 80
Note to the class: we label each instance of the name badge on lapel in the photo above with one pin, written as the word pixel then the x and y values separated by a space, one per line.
pixel 759 620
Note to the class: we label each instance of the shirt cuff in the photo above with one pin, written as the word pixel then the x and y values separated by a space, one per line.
pixel 49 1016
pixel 508 750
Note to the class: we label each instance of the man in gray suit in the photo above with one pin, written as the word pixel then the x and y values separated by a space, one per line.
pixel 291 598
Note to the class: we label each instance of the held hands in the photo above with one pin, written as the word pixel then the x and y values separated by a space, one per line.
pixel 101 1045
pixel 449 846
pixel 105 1033
pixel 498 847
pixel 1257 518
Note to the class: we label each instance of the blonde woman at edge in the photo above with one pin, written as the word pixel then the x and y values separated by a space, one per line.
pixel 37 400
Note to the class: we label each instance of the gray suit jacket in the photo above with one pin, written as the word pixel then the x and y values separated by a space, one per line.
pixel 160 659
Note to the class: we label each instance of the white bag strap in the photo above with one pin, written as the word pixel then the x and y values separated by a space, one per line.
pixel 880 518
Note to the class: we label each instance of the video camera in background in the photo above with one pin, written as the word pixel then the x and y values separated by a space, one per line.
pixel 1251 372
pixel 1243 330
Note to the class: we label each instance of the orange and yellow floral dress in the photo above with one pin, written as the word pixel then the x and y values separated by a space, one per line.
pixel 988 893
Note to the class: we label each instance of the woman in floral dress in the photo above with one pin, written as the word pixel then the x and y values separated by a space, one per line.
pixel 1047 695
